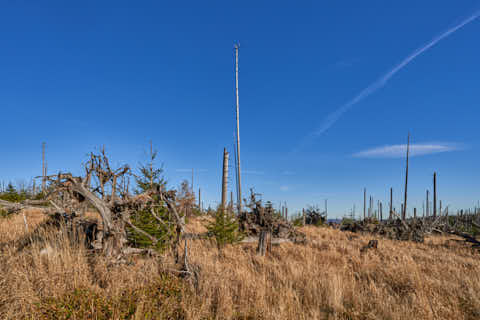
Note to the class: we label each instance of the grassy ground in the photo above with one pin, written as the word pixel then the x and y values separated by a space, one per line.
pixel 329 278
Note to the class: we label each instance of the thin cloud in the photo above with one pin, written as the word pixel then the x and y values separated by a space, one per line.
pixel 288 173
pixel 400 150
pixel 333 117
pixel 284 188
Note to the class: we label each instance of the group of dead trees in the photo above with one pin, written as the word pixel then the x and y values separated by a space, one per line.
pixel 129 222
pixel 314 216
pixel 416 229
pixel 263 224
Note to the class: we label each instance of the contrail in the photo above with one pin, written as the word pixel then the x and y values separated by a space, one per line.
pixel 380 82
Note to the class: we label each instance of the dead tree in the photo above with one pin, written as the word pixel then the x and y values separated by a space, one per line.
pixel 364 202
pixel 404 212
pixel 44 171
pixel 100 188
pixel 434 195
pixel 224 180
pixel 264 242
pixel 427 206
pixel 391 204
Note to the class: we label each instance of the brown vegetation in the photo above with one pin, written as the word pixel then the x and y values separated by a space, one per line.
pixel 327 278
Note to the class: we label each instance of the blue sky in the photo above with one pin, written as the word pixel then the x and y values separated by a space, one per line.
pixel 121 73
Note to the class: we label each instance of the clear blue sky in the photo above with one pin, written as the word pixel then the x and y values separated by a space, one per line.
pixel 123 73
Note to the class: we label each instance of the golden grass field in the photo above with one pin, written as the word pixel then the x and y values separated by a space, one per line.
pixel 329 278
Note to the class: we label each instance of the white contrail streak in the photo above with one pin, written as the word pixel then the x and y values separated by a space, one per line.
pixel 380 82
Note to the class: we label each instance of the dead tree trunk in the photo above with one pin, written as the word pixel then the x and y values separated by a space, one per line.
pixel 224 180
pixel 364 202
pixel 44 172
pixel 427 210
pixel 404 212
pixel 381 214
pixel 434 195
pixel 199 200
pixel 264 243
pixel 391 204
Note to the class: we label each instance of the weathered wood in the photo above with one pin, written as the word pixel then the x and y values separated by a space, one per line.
pixel 264 243
pixel 404 212
pixel 364 202
pixel 224 180
pixel 434 195
pixel 391 204
pixel 427 212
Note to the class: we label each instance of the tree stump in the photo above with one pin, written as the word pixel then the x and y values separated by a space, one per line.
pixel 264 242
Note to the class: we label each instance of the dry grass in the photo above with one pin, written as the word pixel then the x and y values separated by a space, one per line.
pixel 329 278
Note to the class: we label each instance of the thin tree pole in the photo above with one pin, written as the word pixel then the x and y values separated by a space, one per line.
pixel 236 169
pixel 373 211
pixel 44 171
pixel 404 213
pixel 224 180
pixel 381 213
pixel 378 209
pixel 370 214
pixel 200 199
pixel 391 204
pixel 427 210
pixel 326 210
pixel 239 186
pixel 434 195
pixel 364 202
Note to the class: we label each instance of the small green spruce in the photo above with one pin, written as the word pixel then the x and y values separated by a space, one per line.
pixel 151 177
pixel 144 220
pixel 224 229
pixel 11 194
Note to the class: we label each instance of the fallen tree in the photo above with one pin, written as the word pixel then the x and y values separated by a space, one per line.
pixel 100 188
pixel 264 218
pixel 396 229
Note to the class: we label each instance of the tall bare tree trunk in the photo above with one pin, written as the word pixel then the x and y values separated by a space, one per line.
pixel 224 180
pixel 364 202
pixel 44 171
pixel 239 176
pixel 391 204
pixel 434 195
pixel 199 200
pixel 427 208
pixel 381 213
pixel 404 212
